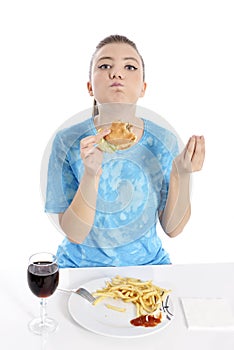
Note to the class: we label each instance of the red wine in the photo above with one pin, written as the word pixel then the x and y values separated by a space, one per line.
pixel 43 278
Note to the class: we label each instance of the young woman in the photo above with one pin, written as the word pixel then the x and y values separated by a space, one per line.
pixel 109 204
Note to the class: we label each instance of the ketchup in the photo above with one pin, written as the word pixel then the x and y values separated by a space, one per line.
pixel 146 321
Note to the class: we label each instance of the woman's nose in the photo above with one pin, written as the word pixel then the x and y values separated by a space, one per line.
pixel 116 74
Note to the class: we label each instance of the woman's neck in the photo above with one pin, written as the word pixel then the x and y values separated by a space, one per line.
pixel 111 112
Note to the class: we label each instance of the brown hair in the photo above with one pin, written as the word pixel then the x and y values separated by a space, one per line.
pixel 111 39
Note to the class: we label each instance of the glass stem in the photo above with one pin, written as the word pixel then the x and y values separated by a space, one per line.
pixel 43 311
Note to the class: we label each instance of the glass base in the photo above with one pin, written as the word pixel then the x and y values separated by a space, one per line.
pixel 38 327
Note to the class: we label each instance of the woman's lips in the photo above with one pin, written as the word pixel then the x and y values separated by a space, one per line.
pixel 116 84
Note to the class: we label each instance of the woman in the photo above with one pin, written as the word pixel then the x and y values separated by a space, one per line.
pixel 109 203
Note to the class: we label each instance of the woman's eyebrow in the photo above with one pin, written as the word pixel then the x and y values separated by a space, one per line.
pixel 105 58
pixel 111 58
pixel 131 58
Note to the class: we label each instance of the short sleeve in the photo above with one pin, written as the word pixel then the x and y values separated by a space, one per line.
pixel 62 183
pixel 171 150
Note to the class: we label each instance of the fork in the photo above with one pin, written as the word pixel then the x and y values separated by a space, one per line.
pixel 80 291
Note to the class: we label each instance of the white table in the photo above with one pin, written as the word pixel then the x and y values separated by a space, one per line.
pixel 19 305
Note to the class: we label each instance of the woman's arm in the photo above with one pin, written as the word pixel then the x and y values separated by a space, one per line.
pixel 178 209
pixel 78 219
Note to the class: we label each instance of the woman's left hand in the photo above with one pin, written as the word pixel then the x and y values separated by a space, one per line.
pixel 192 157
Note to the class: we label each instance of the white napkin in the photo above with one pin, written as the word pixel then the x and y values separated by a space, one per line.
pixel 208 313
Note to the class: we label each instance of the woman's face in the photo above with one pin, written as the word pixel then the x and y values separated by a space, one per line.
pixel 117 75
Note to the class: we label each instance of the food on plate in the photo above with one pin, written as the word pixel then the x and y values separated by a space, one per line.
pixel 116 308
pixel 121 137
pixel 148 298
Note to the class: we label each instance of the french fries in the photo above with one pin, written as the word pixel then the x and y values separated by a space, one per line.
pixel 116 308
pixel 147 297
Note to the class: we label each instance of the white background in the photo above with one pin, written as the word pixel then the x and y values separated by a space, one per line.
pixel 46 48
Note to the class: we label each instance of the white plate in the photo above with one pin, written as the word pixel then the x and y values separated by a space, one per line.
pixel 101 320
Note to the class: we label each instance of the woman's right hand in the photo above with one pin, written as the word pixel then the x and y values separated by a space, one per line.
pixel 91 155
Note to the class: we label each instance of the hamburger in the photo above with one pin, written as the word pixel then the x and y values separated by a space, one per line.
pixel 121 137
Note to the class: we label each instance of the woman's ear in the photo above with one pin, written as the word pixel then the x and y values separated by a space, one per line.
pixel 89 87
pixel 144 86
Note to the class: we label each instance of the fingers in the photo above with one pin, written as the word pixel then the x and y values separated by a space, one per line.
pixel 190 147
pixel 195 152
pixel 199 153
pixel 102 134
pixel 196 144
pixel 87 142
pixel 87 146
pixel 91 141
pixel 90 154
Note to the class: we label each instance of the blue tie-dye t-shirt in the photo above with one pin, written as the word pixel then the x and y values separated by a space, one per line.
pixel 132 190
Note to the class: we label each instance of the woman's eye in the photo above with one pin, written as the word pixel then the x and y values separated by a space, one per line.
pixel 104 66
pixel 130 67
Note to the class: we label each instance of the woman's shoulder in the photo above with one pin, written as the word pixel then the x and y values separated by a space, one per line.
pixel 159 132
pixel 68 135
pixel 76 129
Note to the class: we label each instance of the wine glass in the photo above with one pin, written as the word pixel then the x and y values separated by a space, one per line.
pixel 43 279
